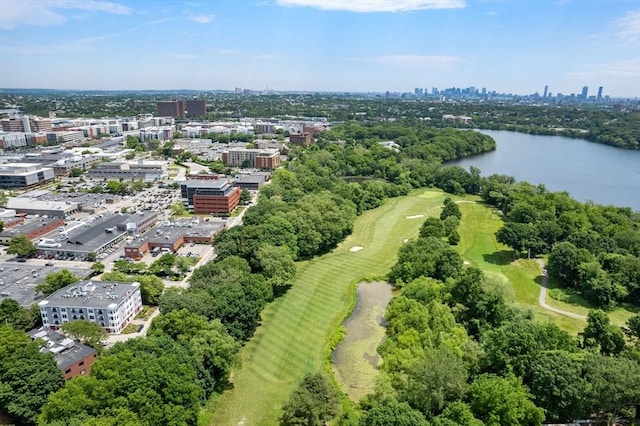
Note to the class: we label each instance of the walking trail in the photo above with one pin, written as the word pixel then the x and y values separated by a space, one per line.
pixel 542 299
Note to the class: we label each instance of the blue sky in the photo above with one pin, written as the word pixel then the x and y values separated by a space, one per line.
pixel 511 46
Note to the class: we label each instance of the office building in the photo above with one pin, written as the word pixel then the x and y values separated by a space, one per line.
pixel 24 175
pixel 585 91
pixel 196 108
pixel 72 358
pixel 209 196
pixel 599 98
pixel 302 139
pixel 170 109
pixel 111 305
pixel 26 124
pixel 546 91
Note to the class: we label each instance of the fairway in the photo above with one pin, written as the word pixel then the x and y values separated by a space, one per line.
pixel 478 246
pixel 294 335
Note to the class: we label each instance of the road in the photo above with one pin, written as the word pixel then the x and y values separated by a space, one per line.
pixel 542 298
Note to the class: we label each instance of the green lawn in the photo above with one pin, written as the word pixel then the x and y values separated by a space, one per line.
pixel 295 332
pixel 479 247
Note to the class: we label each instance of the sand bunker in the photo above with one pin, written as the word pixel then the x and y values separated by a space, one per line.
pixel 414 216
pixel 467 262
pixel 356 248
pixel 406 240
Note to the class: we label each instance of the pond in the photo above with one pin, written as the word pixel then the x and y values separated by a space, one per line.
pixel 355 359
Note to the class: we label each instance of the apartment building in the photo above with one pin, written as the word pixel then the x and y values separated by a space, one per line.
pixel 256 158
pixel 111 305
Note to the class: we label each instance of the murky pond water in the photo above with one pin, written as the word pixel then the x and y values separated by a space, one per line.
pixel 355 359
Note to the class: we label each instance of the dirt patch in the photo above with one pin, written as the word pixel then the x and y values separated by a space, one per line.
pixel 414 216
pixel 356 248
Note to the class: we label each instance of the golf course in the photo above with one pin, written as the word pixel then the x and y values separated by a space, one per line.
pixel 296 330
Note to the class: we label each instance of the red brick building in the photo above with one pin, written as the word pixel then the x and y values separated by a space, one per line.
pixel 209 196
pixel 72 358
pixel 301 139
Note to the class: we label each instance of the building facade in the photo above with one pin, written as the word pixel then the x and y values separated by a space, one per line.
pixel 196 108
pixel 111 305
pixel 209 196
pixel 170 109
pixel 24 175
pixel 257 158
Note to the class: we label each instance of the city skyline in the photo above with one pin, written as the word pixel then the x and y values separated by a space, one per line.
pixel 323 45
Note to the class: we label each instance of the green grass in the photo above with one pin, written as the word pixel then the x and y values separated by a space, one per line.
pixel 296 329
pixel 479 247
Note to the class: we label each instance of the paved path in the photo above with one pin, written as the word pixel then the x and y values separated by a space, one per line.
pixel 542 299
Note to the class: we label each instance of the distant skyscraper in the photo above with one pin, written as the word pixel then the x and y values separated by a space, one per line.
pixel 170 108
pixel 546 90
pixel 599 93
pixel 196 108
pixel 585 91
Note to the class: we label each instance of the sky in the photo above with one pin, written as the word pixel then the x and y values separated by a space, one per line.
pixel 510 46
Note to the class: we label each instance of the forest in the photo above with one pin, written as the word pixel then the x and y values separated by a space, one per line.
pixel 448 323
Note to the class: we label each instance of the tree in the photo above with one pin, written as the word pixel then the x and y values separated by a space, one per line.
pixel 154 377
pixel 55 281
pixel 98 267
pixel 277 264
pixel 432 227
pixel 87 332
pixel 76 172
pixel 600 333
pixel 450 209
pixel 312 403
pixel 14 315
pixel 438 378
pixel 556 383
pixel 27 376
pixel 503 401
pixel 21 246
pixel 245 197
pixel 116 187
pixel 427 257
pixel 563 263
pixel 392 413
pixel 520 237
pixel 151 288
pixel 613 387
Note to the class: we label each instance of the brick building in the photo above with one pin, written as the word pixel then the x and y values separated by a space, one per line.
pixel 72 358
pixel 196 108
pixel 209 196
pixel 258 158
pixel 170 109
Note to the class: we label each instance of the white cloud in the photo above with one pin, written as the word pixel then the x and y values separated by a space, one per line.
pixel 364 6
pixel 628 27
pixel 620 69
pixel 43 12
pixel 181 55
pixel 418 62
pixel 201 19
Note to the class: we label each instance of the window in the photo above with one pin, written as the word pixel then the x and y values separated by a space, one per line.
pixel 67 371
pixel 81 363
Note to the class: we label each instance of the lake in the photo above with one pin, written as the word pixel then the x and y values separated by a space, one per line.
pixel 586 170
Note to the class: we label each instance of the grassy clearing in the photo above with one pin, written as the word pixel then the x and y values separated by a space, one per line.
pixel 479 247
pixel 297 328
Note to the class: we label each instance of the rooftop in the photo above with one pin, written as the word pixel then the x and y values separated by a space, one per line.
pixel 91 294
pixel 29 226
pixel 65 351
pixel 213 184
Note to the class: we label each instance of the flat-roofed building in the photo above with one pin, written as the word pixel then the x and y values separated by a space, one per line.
pixel 32 206
pixel 302 139
pixel 32 229
pixel 209 196
pixel 196 108
pixel 124 170
pixel 24 175
pixel 170 108
pixel 252 182
pixel 258 158
pixel 72 358
pixel 111 305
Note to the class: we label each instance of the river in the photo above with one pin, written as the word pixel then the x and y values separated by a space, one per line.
pixel 586 170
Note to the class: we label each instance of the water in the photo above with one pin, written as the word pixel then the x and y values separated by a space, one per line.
pixel 586 170
pixel 355 359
